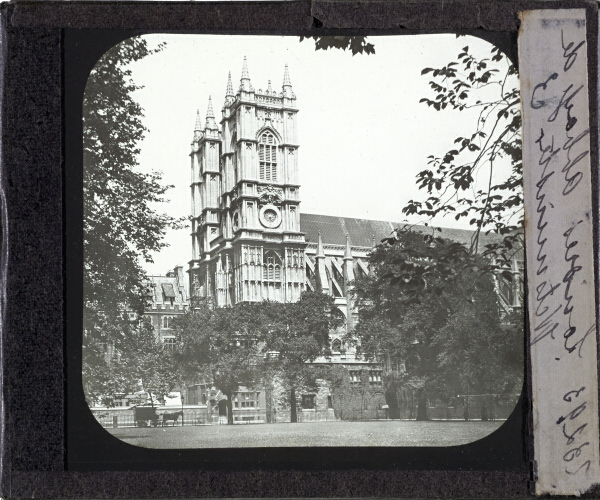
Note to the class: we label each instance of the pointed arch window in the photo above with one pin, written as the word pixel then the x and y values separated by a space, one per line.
pixel 267 157
pixel 271 267
pixel 336 345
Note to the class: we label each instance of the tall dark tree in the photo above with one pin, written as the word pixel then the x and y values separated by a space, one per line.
pixel 432 316
pixel 220 345
pixel 121 230
pixel 138 361
pixel 297 333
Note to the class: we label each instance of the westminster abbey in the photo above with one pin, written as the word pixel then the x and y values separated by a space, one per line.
pixel 250 241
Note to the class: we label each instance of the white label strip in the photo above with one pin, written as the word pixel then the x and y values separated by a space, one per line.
pixel 560 258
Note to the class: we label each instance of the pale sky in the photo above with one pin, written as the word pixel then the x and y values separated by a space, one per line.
pixel 363 134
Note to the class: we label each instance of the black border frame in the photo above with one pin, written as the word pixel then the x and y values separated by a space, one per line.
pixel 35 366
pixel 88 444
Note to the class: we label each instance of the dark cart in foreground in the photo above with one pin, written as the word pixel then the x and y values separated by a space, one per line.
pixel 145 416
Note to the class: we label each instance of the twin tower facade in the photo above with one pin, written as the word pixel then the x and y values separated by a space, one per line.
pixel 247 244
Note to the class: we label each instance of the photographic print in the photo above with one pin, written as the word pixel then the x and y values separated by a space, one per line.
pixel 302 241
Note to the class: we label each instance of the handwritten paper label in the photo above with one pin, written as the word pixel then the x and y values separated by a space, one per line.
pixel 560 258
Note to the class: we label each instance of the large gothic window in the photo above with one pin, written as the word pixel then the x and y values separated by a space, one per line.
pixel 267 156
pixel 271 267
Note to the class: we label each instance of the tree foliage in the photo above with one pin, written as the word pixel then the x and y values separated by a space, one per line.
pixel 437 333
pixel 470 180
pixel 297 333
pixel 356 44
pixel 220 346
pixel 249 343
pixel 132 361
pixel 120 227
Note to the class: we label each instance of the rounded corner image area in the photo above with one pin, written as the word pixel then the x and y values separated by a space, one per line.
pixel 302 242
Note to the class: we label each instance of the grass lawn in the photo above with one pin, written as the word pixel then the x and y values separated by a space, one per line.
pixel 337 433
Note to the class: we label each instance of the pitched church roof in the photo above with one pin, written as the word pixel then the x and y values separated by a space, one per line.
pixel 362 232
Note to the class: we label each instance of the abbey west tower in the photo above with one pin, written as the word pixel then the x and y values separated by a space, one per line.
pixel 246 238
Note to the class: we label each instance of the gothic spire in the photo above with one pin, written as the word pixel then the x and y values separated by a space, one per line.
pixel 286 77
pixel 287 84
pixel 245 80
pixel 210 116
pixel 322 280
pixel 269 88
pixel 245 74
pixel 209 112
pixel 320 251
pixel 229 92
pixel 197 127
pixel 348 268
pixel 348 252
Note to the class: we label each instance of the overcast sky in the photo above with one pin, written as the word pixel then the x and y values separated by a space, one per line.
pixel 363 134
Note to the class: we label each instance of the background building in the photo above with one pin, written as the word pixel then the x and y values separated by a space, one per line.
pixel 167 297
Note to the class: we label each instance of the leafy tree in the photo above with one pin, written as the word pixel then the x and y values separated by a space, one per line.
pixel 220 345
pixel 418 306
pixel 121 229
pixel 136 361
pixel 297 333
pixel 97 375
pixel 487 85
pixel 145 363
pixel 356 44
pixel 436 331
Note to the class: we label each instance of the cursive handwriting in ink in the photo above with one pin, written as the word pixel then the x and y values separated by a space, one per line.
pixel 590 330
pixel 574 420
pixel 571 258
pixel 566 103
pixel 569 53
pixel 548 152
pixel 537 104
pixel 572 180
pixel 544 290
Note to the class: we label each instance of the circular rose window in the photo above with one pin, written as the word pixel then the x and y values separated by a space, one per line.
pixel 270 216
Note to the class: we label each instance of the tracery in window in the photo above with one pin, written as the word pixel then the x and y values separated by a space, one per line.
pixel 267 156
pixel 169 343
pixel 271 267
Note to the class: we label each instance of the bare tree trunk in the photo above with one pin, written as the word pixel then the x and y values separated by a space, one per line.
pixel 422 408
pixel 293 412
pixel 229 409
pixel 391 399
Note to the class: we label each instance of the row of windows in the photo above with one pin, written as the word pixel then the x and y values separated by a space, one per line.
pixel 166 307
pixel 309 401
pixel 373 377
pixel 271 273
pixel 244 404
